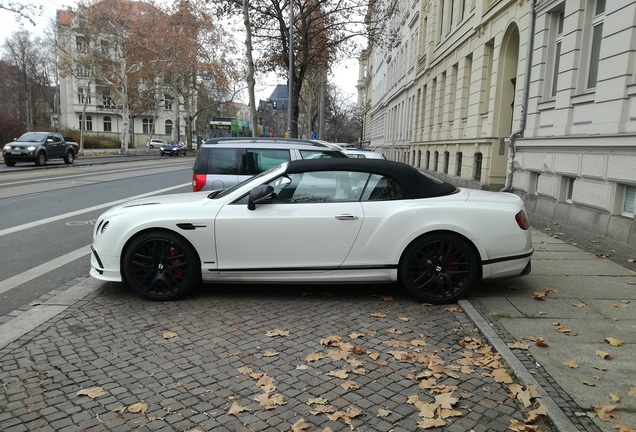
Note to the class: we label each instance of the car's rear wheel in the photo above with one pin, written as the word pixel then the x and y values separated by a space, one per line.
pixel 9 162
pixel 160 265
pixel 439 268
pixel 40 159
pixel 69 158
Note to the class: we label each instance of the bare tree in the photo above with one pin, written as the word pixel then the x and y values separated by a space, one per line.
pixel 23 10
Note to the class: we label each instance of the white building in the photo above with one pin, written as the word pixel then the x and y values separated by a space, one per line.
pixel 449 94
pixel 167 120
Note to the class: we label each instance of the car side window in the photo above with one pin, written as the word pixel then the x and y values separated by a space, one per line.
pixel 381 188
pixel 255 161
pixel 316 154
pixel 222 161
pixel 316 187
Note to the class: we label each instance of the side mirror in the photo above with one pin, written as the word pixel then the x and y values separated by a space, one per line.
pixel 258 195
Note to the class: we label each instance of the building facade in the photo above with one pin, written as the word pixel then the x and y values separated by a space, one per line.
pixel 451 107
pixel 80 93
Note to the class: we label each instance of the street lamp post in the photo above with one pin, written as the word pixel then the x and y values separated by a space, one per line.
pixel 291 65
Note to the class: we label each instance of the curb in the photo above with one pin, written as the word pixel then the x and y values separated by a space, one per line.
pixel 559 419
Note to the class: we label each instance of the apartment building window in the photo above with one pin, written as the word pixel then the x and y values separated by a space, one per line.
pixel 88 124
pixel 147 125
pixel 489 52
pixel 567 188
pixel 419 158
pixel 458 164
pixel 81 71
pixel 168 127
pixel 558 20
pixel 435 161
pixel 83 95
pixel 428 159
pixel 477 161
pixel 446 161
pixel 595 46
pixel 629 202
pixel 168 102
pixel 107 100
pixel 79 43
pixel 108 124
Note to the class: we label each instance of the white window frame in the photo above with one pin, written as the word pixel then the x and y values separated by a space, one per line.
pixel 628 200
pixel 558 20
pixel 593 57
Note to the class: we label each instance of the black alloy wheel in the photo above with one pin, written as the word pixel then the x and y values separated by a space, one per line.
pixel 69 157
pixel 439 268
pixel 40 159
pixel 160 265
pixel 9 162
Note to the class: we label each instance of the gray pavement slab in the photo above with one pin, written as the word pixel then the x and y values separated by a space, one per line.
pixel 589 301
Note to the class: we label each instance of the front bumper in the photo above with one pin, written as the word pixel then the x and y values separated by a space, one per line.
pixel 104 267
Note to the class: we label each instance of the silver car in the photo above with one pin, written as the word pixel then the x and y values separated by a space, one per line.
pixel 224 162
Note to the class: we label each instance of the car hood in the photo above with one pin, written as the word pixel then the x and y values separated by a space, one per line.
pixel 159 203
pixel 23 143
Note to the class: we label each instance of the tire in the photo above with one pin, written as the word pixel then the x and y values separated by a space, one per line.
pixel 40 159
pixel 69 157
pixel 9 162
pixel 162 154
pixel 151 146
pixel 160 265
pixel 439 268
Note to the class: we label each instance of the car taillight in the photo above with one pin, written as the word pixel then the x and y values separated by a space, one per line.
pixel 522 220
pixel 198 181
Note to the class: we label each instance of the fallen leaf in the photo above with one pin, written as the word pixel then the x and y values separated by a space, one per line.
pixel 35 303
pixel 453 309
pixel 268 402
pixel 378 315
pixel 300 425
pixel 534 414
pixel 538 295
pixel 614 397
pixel 169 334
pixel 613 341
pixel 401 355
pixel 383 412
pixel 632 392
pixel 270 354
pixel 604 355
pixel 564 329
pixel 93 392
pixel 538 341
pixel 404 318
pixel 374 356
pixel 359 371
pixel 245 370
pixel 579 305
pixel 302 367
pixel 446 400
pixel 317 401
pixel 314 357
pixel 623 304
pixel 631 260
pixel 606 412
pixel 356 335
pixel 235 409
pixel 623 428
pixel 266 383
pixel 277 332
pixel 589 383
pixel 332 341
pixel 571 364
pixel 518 345
pixel 358 350
pixel 339 374
pixel 336 355
pixel 139 407
pixel 501 376
pixel 349 384
pixel 395 331
pixel 418 342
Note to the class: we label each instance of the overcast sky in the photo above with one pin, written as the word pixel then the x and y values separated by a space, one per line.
pixel 346 73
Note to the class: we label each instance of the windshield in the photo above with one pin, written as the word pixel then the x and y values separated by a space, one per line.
pixel 228 191
pixel 32 137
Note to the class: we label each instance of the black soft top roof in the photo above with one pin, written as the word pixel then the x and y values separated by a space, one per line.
pixel 413 183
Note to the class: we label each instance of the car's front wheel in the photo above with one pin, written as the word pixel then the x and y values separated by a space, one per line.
pixel 9 162
pixel 160 265
pixel 69 158
pixel 439 268
pixel 40 159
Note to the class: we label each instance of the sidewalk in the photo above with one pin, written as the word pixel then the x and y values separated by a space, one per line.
pixel 584 308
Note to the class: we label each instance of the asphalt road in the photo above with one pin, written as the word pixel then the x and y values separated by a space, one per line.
pixel 48 215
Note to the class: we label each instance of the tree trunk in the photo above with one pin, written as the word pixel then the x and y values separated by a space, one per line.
pixel 250 68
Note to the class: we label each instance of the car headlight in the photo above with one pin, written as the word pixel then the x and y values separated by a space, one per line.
pixel 7 147
pixel 162 148
pixel 31 148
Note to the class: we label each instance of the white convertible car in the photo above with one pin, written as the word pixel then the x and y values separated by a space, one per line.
pixel 317 221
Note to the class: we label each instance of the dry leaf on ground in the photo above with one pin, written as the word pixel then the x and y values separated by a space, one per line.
pixel 614 397
pixel 613 341
pixel 604 355
pixel 314 357
pixel 383 412
pixel 169 334
pixel 277 332
pixel 606 412
pixel 235 409
pixel 502 376
pixel 300 425
pixel 139 407
pixel 270 354
pixel 518 345
pixel 623 428
pixel 378 315
pixel 93 392
pixel 571 364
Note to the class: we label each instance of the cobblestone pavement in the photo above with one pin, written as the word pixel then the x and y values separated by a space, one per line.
pixel 255 359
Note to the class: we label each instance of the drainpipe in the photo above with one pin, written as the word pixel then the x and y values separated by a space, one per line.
pixel 524 104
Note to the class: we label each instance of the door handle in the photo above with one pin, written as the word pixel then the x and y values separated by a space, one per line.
pixel 347 217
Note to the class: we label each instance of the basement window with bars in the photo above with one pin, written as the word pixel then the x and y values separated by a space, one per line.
pixel 629 203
